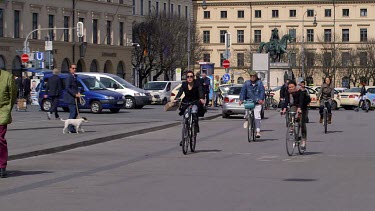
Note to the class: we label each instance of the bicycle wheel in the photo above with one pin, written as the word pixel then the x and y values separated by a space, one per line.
pixel 300 151
pixel 325 121
pixel 185 137
pixel 287 119
pixel 249 128
pixel 290 139
pixel 253 128
pixel 366 106
pixel 193 137
pixel 274 104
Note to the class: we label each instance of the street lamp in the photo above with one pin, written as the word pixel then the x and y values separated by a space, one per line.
pixel 204 5
pixel 303 40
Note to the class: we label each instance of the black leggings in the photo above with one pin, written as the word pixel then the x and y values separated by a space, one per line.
pixel 329 108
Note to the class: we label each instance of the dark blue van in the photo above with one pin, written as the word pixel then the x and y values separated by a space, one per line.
pixel 96 96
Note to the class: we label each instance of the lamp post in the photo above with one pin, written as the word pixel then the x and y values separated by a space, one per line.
pixel 303 40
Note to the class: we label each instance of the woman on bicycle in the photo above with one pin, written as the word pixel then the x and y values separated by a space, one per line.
pixel 193 93
pixel 326 93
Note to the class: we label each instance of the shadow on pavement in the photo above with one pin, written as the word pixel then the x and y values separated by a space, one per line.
pixel 208 151
pixel 337 131
pixel 267 130
pixel 26 173
pixel 299 180
pixel 312 153
pixel 264 139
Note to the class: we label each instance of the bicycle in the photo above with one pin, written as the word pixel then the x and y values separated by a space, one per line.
pixel 325 116
pixel 249 106
pixel 287 116
pixel 293 134
pixel 270 102
pixel 189 129
pixel 363 104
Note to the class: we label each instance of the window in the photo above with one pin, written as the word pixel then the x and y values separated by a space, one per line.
pixel 16 24
pixel 109 83
pixel 109 26
pixel 206 14
pixel 81 39
pixel 310 59
pixel 133 7
pixel 240 36
pixel 327 12
pixel 310 13
pixel 121 2
pixel 275 13
pixel 149 7
pixel 327 59
pixel 66 31
pixel 327 35
pixel 345 59
pixel 35 25
pixel 241 14
pixel 121 33
pixel 240 59
pixel 258 13
pixel 221 59
pixel 363 58
pixel 141 4
pixel 109 1
pixel 206 57
pixel 345 35
pixel 223 14
pixel 165 9
pixel 157 8
pixel 345 12
pixel 363 12
pixel 257 36
pixel 206 36
pixel 363 35
pixel 186 12
pixel 172 9
pixel 95 31
pixel 1 22
pixel 293 34
pixel 179 11
pixel 292 13
pixel 222 36
pixel 293 59
pixel 310 35
pixel 51 20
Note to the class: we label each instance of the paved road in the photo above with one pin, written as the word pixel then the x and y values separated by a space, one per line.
pixel 149 172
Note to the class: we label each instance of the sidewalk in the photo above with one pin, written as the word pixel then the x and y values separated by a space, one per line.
pixel 31 134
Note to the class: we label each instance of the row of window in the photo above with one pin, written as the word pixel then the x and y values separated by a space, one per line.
pixel 309 32
pixel 67 22
pixel 310 59
pixel 157 8
pixel 292 13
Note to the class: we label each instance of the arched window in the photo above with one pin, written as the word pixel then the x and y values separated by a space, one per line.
pixel 65 66
pixel 81 66
pixel 345 82
pixel 309 81
pixel 17 66
pixel 240 80
pixel 108 68
pixel 2 63
pixel 121 69
pixel 94 66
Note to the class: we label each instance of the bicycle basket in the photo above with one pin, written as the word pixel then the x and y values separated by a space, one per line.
pixel 249 105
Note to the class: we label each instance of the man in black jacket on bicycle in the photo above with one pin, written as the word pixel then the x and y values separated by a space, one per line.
pixel 296 100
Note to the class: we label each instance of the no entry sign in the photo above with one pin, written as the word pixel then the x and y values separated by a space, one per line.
pixel 25 58
pixel 226 64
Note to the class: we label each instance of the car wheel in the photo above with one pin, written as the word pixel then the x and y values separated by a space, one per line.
pixel 334 105
pixel 114 110
pixel 165 101
pixel 224 115
pixel 129 103
pixel 66 109
pixel 96 107
pixel 46 105
pixel 139 107
pixel 348 107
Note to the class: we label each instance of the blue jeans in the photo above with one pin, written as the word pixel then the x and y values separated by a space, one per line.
pixel 72 115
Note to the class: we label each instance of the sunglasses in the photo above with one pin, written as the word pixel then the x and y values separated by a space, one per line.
pixel 74 68
pixel 189 76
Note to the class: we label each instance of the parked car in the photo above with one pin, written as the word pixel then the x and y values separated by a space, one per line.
pixel 175 92
pixel 336 104
pixel 350 97
pixel 340 89
pixel 161 90
pixel 231 99
pixel 134 97
pixel 371 97
pixel 96 96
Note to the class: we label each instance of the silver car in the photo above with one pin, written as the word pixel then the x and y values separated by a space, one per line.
pixel 231 99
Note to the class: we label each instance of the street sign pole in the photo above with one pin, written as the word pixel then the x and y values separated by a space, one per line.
pixel 227 45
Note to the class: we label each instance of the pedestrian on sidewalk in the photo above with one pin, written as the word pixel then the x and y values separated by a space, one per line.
pixel 72 93
pixel 54 89
pixel 206 86
pixel 26 84
pixel 216 89
pixel 8 96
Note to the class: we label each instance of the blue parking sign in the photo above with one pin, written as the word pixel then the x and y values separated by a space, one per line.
pixel 226 78
pixel 39 56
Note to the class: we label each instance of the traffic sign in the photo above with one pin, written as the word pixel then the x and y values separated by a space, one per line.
pixel 25 57
pixel 39 56
pixel 227 54
pixel 226 77
pixel 226 64
pixel 48 45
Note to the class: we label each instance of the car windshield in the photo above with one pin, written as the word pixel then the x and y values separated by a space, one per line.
pixel 124 83
pixel 234 91
pixel 93 84
pixel 355 89
pixel 155 86
pixel 371 90
pixel 276 89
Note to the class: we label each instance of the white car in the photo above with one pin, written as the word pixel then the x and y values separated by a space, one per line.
pixel 161 90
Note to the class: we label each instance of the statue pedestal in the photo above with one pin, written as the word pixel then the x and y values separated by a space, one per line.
pixel 278 73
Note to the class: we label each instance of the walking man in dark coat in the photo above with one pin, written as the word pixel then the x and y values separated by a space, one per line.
pixel 72 92
pixel 54 89
pixel 26 88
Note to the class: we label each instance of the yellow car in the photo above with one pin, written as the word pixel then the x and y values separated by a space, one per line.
pixel 350 97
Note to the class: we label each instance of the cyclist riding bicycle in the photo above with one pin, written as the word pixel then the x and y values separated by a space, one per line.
pixel 326 93
pixel 296 100
pixel 253 90
pixel 193 93
pixel 362 95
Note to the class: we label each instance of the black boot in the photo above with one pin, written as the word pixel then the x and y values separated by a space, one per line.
pixel 3 173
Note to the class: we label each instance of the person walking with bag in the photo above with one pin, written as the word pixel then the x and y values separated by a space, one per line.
pixel 8 96
pixel 54 89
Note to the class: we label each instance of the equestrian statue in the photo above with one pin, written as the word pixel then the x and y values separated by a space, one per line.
pixel 275 46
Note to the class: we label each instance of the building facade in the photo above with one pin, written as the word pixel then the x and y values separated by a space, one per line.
pixel 343 27
pixel 107 33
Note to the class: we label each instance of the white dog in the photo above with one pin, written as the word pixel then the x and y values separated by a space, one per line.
pixel 75 122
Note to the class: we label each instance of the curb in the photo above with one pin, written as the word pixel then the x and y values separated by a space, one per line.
pixel 97 140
